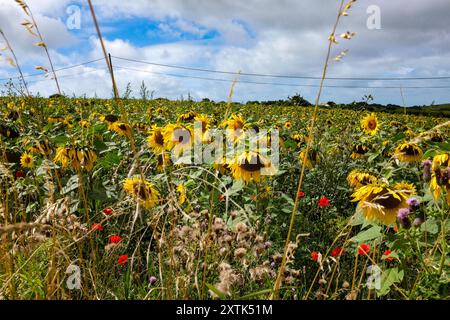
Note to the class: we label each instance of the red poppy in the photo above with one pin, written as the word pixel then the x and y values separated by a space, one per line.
pixel 123 259
pixel 20 174
pixel 363 249
pixel 337 251
pixel 97 227
pixel 108 211
pixel 386 253
pixel 300 194
pixel 115 239
pixel 395 229
pixel 323 202
pixel 315 256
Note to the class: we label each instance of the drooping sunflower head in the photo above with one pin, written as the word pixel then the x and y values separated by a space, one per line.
pixel 203 122
pixel 311 160
pixel 405 187
pixel 156 139
pixel 177 136
pixel 408 152
pixel 440 160
pixel 142 191
pixel 122 129
pixel 235 126
pixel 356 179
pixel 26 160
pixel 249 165
pixel 380 203
pixel 359 151
pixel 189 116
pixel 369 124
pixel 76 157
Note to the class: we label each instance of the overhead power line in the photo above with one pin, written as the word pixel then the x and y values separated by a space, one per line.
pixel 281 84
pixel 278 75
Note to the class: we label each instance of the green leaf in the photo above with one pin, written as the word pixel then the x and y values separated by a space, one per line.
pixel 370 234
pixel 71 185
pixel 219 293
pixel 388 278
pixel 236 187
pixel 430 226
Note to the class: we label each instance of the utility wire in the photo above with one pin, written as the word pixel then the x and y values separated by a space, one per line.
pixel 278 75
pixel 282 84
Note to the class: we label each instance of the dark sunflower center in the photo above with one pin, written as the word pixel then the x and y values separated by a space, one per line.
pixel 123 127
pixel 372 124
pixel 360 149
pixel 159 139
pixel 410 151
pixel 387 200
pixel 253 165
pixel 141 191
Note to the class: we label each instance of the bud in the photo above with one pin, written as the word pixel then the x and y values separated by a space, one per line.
pixel 403 218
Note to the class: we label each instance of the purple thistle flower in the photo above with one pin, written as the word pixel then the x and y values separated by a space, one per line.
pixel 426 170
pixel 403 218
pixel 152 280
pixel 413 203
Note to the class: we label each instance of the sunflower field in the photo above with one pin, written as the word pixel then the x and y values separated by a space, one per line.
pixel 93 205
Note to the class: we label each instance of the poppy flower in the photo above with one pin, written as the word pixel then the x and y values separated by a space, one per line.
pixel 97 227
pixel 387 253
pixel 363 249
pixel 20 174
pixel 108 211
pixel 337 251
pixel 123 259
pixel 300 194
pixel 315 256
pixel 323 202
pixel 115 239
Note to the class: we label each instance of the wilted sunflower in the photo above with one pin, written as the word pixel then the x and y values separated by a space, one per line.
pixel 176 135
pixel 359 151
pixel 356 179
pixel 122 129
pixel 143 191
pixel 205 125
pixel 248 166
pixel 405 187
pixel 41 147
pixel 380 203
pixel 187 116
pixel 76 157
pixel 440 177
pixel 156 139
pixel 26 160
pixel 370 124
pixel 235 125
pixel 181 189
pixel 408 152
pixel 312 159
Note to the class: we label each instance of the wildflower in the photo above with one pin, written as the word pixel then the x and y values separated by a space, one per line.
pixel 380 202
pixel 300 194
pixel 143 191
pixel 316 256
pixel 403 218
pixel 363 249
pixel 413 203
pixel 370 124
pixel 97 227
pixel 108 211
pixel 337 251
pixel 123 259
pixel 115 239
pixel 408 152
pixel 426 170
pixel 26 160
pixel 152 280
pixel 181 189
pixel 324 202
pixel 387 253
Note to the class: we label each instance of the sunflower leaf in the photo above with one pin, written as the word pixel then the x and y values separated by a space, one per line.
pixel 367 235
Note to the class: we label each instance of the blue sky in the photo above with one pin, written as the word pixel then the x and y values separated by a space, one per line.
pixel 253 36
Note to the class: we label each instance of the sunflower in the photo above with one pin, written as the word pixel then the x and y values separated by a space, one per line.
pixel 356 179
pixel 440 160
pixel 405 187
pixel 177 137
pixel 248 166
pixel 312 159
pixel 235 125
pixel 181 189
pixel 298 137
pixel 204 120
pixel 380 203
pixel 408 152
pixel 370 124
pixel 122 129
pixel 42 148
pixel 288 125
pixel 359 151
pixel 143 191
pixel 440 177
pixel 85 124
pixel 156 139
pixel 26 160
pixel 187 116
pixel 76 157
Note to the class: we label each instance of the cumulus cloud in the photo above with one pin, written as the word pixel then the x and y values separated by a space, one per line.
pixel 256 36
